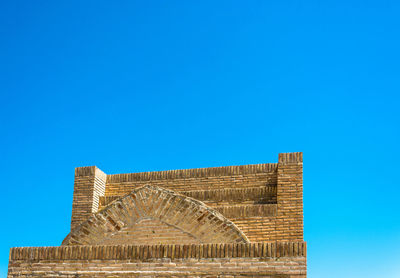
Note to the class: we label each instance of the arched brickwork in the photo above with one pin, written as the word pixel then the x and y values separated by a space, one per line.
pixel 186 217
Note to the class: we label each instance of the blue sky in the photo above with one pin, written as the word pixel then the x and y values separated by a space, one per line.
pixel 135 86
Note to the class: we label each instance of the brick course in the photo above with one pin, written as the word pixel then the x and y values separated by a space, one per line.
pixel 278 259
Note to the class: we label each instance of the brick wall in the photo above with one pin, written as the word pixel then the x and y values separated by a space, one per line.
pixel 263 200
pixel 283 260
pixel 150 231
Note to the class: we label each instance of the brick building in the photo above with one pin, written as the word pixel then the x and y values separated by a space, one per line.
pixel 231 221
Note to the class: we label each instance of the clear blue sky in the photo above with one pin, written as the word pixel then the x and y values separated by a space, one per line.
pixel 154 85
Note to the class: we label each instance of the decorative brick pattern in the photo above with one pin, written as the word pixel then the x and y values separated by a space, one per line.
pixel 216 187
pixel 193 173
pixel 184 214
pixel 171 251
pixel 278 259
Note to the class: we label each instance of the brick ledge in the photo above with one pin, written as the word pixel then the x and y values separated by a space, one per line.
pixel 145 252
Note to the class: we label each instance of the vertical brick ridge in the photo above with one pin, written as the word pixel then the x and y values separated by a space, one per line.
pixel 85 171
pixel 290 196
pixel 193 173
pixel 172 251
pixel 288 158
pixel 89 186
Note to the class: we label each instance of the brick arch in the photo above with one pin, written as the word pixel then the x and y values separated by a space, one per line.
pixel 183 215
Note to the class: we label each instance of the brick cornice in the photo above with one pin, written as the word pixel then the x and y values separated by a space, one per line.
pixel 193 173
pixel 145 252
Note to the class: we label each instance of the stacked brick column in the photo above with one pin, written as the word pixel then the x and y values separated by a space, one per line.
pixel 290 196
pixel 89 185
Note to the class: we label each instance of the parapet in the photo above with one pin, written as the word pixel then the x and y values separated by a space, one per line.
pixel 220 221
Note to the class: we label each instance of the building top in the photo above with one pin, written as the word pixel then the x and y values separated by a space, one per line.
pixel 230 221
pixel 262 202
